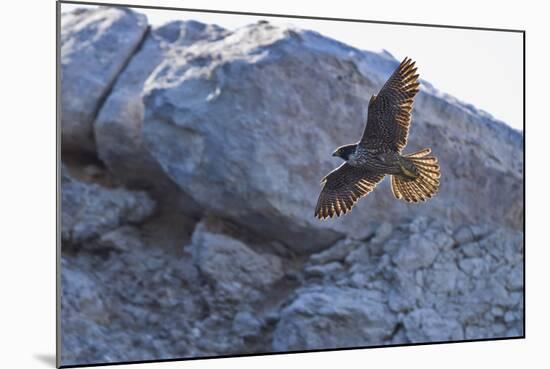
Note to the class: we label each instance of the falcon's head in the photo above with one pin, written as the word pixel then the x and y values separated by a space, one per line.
pixel 345 151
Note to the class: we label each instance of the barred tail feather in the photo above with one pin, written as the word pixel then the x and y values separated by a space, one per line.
pixel 422 187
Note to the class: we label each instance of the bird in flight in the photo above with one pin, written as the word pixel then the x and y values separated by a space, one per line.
pixel 414 177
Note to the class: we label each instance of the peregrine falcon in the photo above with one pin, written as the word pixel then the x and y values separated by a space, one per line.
pixel 414 177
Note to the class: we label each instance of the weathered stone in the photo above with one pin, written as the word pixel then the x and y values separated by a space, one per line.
pixel 234 268
pixel 120 120
pixel 420 252
pixel 425 325
pixel 332 317
pixel 324 270
pixel 246 325
pixel 96 44
pixel 125 238
pixel 88 210
pixel 338 252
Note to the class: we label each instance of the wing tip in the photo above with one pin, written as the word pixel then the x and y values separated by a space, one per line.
pixel 408 61
pixel 329 213
pixel 323 217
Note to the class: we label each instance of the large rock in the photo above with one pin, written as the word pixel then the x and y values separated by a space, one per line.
pixel 245 125
pixel 119 122
pixel 333 317
pixel 425 325
pixel 96 44
pixel 237 272
pixel 89 210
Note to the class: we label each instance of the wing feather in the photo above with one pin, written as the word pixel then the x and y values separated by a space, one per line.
pixel 389 115
pixel 342 188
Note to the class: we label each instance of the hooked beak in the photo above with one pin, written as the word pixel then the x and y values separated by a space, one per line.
pixel 334 153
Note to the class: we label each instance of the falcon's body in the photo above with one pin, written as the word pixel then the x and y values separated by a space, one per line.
pixel 380 162
pixel 415 177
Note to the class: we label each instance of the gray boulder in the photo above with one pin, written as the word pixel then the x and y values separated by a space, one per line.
pixel 425 325
pixel 95 45
pixel 256 114
pixel 246 324
pixel 330 317
pixel 120 119
pixel 237 272
pixel 422 249
pixel 89 210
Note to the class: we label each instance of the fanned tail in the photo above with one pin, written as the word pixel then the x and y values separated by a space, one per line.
pixel 422 187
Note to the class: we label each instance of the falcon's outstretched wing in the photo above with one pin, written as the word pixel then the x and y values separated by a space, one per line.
pixel 342 188
pixel 389 113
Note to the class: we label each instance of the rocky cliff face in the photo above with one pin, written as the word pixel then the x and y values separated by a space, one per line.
pixel 192 158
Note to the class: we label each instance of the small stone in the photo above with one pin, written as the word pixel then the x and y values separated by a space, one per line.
pixel 464 235
pixel 426 325
pixel 196 332
pixel 325 270
pixel 497 311
pixel 514 279
pixel 420 253
pixel 333 317
pixel 509 317
pixel 89 210
pixel 475 267
pixel 335 253
pixel 245 324
pixel 383 233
